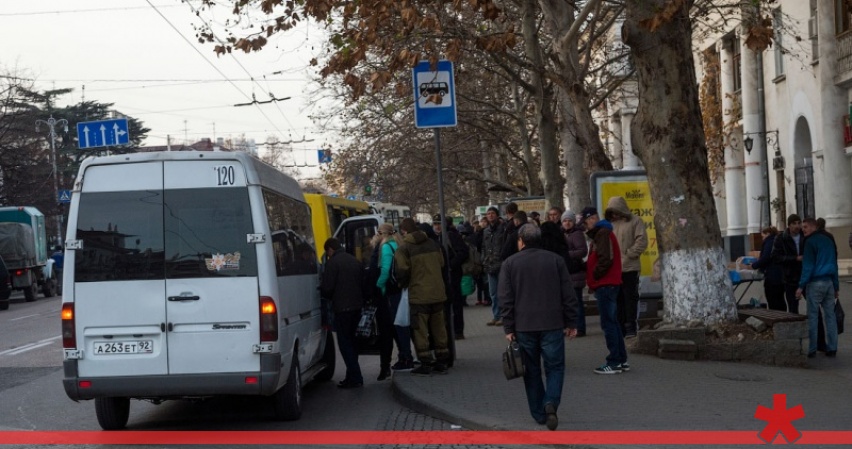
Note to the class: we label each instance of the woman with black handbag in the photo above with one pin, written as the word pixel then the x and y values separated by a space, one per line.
pixel 379 297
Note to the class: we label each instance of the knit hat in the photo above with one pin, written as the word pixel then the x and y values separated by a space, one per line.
pixel 588 212
pixel 569 215
pixel 793 218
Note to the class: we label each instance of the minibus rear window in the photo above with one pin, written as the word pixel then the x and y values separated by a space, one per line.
pixel 122 235
pixel 205 233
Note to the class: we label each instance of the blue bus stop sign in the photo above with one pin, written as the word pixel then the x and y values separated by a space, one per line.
pixel 434 95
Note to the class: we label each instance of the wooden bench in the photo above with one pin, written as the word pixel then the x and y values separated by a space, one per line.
pixel 771 317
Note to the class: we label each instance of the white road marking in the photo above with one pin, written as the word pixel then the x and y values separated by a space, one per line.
pixel 25 316
pixel 30 346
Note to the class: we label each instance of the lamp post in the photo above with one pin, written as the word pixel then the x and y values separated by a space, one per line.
pixel 770 138
pixel 52 123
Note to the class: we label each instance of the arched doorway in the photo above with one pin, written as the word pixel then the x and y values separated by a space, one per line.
pixel 804 168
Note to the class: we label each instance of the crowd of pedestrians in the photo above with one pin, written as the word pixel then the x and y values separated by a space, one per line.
pixel 533 273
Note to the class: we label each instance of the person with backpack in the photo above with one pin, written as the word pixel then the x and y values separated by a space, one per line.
pixel 419 266
pixel 374 296
pixel 390 242
pixel 457 253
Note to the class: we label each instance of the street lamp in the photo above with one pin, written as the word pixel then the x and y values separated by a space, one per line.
pixel 770 139
pixel 52 123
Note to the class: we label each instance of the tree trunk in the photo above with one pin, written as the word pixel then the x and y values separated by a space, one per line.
pixel 533 183
pixel 543 96
pixel 577 179
pixel 578 126
pixel 668 128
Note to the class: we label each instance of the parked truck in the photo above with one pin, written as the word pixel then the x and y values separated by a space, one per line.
pixel 23 247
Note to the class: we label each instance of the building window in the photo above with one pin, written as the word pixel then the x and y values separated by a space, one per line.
pixel 841 16
pixel 778 28
pixel 736 67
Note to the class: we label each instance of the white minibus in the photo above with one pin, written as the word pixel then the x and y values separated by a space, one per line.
pixel 190 275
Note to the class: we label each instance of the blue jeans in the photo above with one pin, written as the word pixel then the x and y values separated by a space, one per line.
pixel 607 298
pixel 346 323
pixel 402 334
pixel 581 312
pixel 820 294
pixel 549 347
pixel 492 290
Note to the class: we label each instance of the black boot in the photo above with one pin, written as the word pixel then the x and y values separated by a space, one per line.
pixel 384 373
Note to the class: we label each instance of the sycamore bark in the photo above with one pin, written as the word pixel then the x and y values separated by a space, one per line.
pixel 670 142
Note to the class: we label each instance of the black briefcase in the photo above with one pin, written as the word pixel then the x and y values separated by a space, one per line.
pixel 513 361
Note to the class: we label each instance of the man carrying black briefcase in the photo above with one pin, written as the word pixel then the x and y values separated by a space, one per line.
pixel 539 308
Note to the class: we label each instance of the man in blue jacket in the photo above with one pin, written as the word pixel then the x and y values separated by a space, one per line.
pixel 820 279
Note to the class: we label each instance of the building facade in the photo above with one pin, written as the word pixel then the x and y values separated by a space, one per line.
pixel 785 134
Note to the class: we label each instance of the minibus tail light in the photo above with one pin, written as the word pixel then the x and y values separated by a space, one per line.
pixel 268 319
pixel 69 335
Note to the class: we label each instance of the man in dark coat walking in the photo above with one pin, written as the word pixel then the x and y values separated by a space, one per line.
pixel 539 308
pixel 342 283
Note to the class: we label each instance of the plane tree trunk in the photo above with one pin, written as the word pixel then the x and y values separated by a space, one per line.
pixel 670 136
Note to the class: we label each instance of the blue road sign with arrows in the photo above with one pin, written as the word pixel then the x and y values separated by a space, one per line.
pixel 102 133
pixel 434 95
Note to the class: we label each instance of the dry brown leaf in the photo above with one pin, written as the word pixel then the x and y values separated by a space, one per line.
pixel 759 36
pixel 663 17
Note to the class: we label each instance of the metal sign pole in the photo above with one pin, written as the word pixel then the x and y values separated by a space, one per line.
pixel 444 241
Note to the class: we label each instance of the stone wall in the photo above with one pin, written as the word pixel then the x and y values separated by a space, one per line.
pixel 781 345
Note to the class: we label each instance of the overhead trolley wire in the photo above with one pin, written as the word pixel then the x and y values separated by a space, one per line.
pixel 273 99
pixel 216 68
pixel 74 11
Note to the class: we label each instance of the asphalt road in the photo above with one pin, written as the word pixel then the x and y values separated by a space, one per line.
pixel 33 398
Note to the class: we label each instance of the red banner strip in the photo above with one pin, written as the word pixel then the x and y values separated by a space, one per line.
pixel 502 438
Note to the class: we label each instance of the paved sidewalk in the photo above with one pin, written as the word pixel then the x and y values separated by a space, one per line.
pixel 656 394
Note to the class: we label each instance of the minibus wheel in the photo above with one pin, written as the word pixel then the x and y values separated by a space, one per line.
pixel 288 400
pixel 112 412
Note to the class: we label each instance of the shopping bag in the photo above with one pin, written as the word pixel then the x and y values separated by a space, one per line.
pixel 403 318
pixel 367 325
pixel 467 285
pixel 513 361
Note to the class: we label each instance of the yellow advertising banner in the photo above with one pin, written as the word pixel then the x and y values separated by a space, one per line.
pixel 638 197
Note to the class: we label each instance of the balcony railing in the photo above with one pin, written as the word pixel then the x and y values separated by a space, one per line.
pixel 844 54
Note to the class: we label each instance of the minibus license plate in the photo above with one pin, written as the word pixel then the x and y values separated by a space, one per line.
pixel 124 347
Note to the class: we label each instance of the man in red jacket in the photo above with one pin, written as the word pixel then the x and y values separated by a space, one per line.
pixel 603 276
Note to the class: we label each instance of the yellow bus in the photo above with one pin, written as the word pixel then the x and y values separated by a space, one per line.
pixel 327 213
